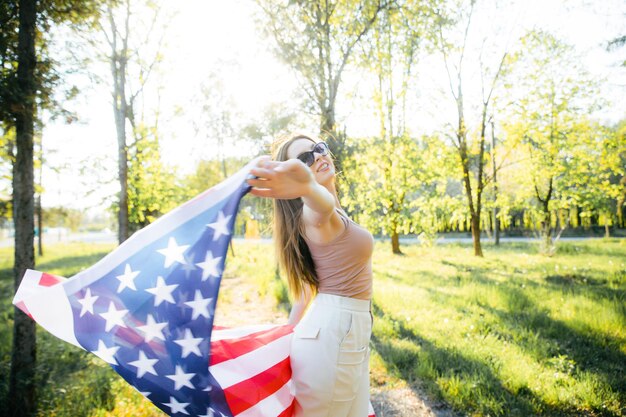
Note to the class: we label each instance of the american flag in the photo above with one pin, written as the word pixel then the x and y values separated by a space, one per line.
pixel 147 309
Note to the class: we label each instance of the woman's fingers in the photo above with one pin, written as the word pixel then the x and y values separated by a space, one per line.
pixel 262 172
pixel 258 182
pixel 261 192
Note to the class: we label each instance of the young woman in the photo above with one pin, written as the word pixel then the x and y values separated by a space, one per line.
pixel 327 260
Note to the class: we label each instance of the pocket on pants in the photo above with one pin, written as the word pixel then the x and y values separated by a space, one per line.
pixel 349 371
pixel 306 332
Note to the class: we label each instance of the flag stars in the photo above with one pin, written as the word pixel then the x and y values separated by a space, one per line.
pixel 173 253
pixel 127 279
pixel 200 306
pixel 189 344
pixel 181 379
pixel 152 329
pixel 176 407
pixel 113 317
pixel 106 353
pixel 144 365
pixel 87 302
pixel 162 292
pixel 209 266
pixel 220 226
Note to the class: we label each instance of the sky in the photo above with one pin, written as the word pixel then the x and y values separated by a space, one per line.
pixel 216 37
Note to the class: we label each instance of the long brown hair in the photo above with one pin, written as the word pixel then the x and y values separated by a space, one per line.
pixel 292 251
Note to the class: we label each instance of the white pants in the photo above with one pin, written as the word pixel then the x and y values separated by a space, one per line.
pixel 330 358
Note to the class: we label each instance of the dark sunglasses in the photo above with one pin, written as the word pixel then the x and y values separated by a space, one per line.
pixel 309 156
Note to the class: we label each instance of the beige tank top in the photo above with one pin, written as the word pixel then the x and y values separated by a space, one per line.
pixel 344 265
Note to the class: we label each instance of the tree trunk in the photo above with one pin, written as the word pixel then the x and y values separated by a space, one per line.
pixel 478 250
pixel 21 396
pixel 546 228
pixel 122 166
pixel 395 243
pixel 120 113
pixel 496 221
pixel 607 233
pixel 329 134
pixel 39 226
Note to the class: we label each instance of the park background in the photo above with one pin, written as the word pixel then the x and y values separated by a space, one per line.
pixel 483 143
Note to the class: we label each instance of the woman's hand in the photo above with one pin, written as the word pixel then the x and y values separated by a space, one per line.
pixel 283 180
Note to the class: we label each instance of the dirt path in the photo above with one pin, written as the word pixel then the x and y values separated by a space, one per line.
pixel 252 309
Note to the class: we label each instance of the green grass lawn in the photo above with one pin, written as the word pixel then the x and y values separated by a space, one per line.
pixel 511 334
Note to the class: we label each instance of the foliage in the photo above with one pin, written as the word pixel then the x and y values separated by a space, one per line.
pixel 553 93
pixel 62 217
pixel 392 185
pixel 152 187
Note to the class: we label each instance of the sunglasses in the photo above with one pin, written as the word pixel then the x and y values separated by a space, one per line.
pixel 309 157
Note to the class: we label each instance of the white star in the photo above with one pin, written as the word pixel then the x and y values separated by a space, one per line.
pixel 106 353
pixel 162 292
pixel 176 406
pixel 220 226
pixel 127 279
pixel 189 344
pixel 181 379
pixel 87 302
pixel 200 306
pixel 113 317
pixel 152 329
pixel 144 365
pixel 173 252
pixel 209 266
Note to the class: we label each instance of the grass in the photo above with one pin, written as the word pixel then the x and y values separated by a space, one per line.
pixel 511 334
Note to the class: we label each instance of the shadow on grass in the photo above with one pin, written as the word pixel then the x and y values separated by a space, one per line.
pixel 72 264
pixel 468 385
pixel 598 354
pixel 597 289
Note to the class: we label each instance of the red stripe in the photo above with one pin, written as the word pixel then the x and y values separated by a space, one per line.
pixel 227 349
pixel 48 280
pixel 247 393
pixel 288 411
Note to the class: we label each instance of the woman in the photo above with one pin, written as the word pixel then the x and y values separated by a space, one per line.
pixel 327 259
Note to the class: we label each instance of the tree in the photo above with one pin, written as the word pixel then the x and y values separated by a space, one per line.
pixel 595 172
pixel 382 181
pixel 472 154
pixel 317 38
pixel 27 81
pixel 22 379
pixel 120 27
pixel 216 119
pixel 389 53
pixel 553 93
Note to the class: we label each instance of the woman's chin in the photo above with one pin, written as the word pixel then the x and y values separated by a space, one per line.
pixel 326 176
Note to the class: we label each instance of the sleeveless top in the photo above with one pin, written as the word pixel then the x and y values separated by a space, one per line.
pixel 344 265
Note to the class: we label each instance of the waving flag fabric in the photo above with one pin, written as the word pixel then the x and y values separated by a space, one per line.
pixel 147 309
